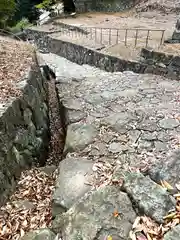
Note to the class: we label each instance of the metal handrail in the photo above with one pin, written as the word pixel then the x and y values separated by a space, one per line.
pixel 97 34
pixel 10 33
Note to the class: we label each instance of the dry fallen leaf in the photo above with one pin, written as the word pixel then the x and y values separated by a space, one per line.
pixel 116 214
pixel 15 221
pixel 166 185
pixel 140 236
pixel 109 238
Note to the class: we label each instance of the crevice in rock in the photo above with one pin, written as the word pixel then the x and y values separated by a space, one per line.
pixel 57 116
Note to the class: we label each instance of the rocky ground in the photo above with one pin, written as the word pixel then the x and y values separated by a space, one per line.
pixel 119 177
pixel 119 125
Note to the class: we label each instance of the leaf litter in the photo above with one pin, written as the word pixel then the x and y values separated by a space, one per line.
pixel 34 187
pixel 15 59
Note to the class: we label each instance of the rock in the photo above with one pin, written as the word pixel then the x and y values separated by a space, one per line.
pixel 79 136
pixel 148 145
pixel 41 234
pixel 161 65
pixel 24 204
pixel 49 170
pixel 178 24
pixel 120 122
pixel 98 149
pixel 160 146
pixel 176 35
pixel 150 136
pixel 44 18
pixel 92 216
pixel 173 234
pixel 169 123
pixel 75 116
pixel 150 198
pixel 176 61
pixel 116 147
pixel 168 169
pixel 74 173
pixel 72 104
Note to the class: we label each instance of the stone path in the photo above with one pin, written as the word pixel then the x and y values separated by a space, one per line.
pixel 116 123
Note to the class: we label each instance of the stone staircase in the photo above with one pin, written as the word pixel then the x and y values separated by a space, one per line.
pixel 118 124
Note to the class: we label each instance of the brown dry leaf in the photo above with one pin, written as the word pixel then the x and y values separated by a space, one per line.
pixel 170 216
pixel 116 213
pixel 132 235
pixel 15 58
pixel 166 185
pixel 145 228
pixel 22 233
pixel 15 222
pixel 149 237
pixel 136 222
pixel 140 236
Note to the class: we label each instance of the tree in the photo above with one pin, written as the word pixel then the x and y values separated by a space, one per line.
pixel 46 4
pixel 26 9
pixel 7 9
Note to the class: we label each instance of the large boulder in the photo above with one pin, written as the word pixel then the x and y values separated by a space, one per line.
pixel 107 211
pixel 167 170
pixel 150 198
pixel 72 183
pixel 79 136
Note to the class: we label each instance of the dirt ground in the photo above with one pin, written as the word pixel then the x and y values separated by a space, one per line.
pixel 106 32
pixel 118 22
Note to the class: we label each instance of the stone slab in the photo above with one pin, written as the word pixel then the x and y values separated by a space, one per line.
pixel 150 198
pixel 72 183
pixel 92 217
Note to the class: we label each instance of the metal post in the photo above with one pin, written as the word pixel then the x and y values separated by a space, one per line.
pixel 109 36
pixel 162 37
pixel 91 33
pixel 117 36
pixel 147 38
pixel 126 33
pixel 136 37
pixel 101 36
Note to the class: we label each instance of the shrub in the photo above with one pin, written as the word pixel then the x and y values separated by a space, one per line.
pixel 21 24
pixel 46 4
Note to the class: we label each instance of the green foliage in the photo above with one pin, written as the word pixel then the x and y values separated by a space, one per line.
pixel 46 4
pixel 7 6
pixel 26 9
pixel 7 9
pixel 19 25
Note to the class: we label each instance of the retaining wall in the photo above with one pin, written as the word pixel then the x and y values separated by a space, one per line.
pixel 103 5
pixel 83 55
pixel 168 61
pixel 24 130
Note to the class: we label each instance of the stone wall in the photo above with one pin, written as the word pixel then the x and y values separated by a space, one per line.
pixel 103 5
pixel 170 62
pixel 83 55
pixel 24 128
